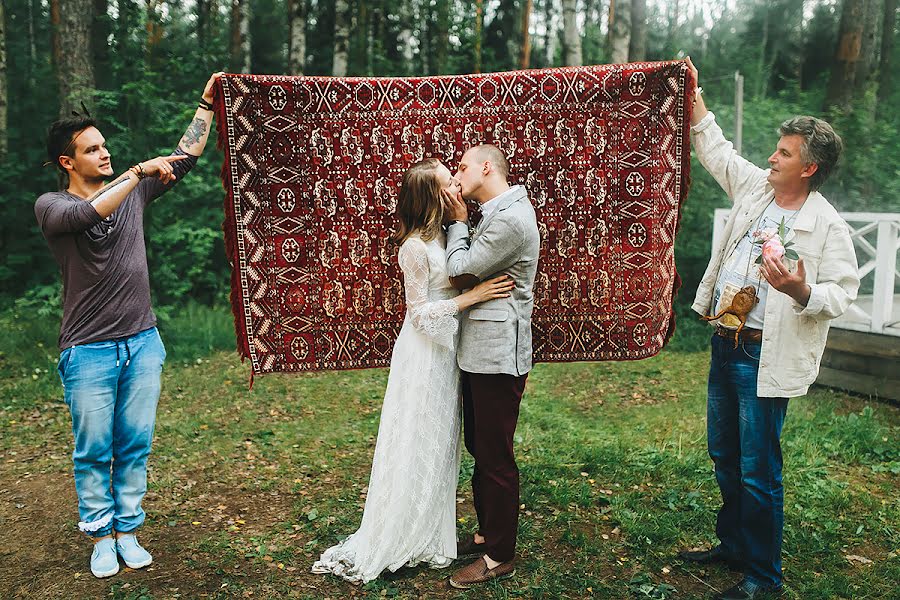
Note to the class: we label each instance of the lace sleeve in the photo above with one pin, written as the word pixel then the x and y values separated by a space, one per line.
pixel 435 319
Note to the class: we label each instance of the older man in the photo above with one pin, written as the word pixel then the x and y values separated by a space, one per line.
pixel 773 318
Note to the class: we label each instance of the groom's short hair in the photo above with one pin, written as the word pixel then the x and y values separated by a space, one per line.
pixel 492 153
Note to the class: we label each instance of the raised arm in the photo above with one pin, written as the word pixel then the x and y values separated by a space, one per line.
pixel 495 249
pixel 190 147
pixel 193 141
pixel 731 171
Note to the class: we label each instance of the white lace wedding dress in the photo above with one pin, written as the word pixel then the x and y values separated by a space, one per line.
pixel 410 512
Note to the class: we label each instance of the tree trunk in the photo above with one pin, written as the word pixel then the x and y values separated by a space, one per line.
pixel 4 142
pixel 885 75
pixel 442 37
pixel 296 36
pixel 239 45
pixel 363 32
pixel 154 31
pixel 72 49
pixel 637 48
pixel 870 35
pixel 502 34
pixel 204 10
pixel 549 34
pixel 341 38
pixel 619 30
pixel 847 80
pixel 100 43
pixel 55 25
pixel 571 36
pixel 762 77
pixel 405 37
pixel 525 58
pixel 32 44
pixel 479 33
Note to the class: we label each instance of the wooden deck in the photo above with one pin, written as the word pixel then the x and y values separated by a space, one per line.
pixel 859 361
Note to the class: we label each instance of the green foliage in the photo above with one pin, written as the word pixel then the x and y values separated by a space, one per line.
pixel 148 92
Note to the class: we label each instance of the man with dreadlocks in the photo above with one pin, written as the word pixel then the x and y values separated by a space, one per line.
pixel 111 353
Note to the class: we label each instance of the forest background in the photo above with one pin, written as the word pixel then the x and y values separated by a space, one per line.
pixel 139 66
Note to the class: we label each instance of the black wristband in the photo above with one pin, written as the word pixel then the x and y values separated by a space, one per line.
pixel 205 105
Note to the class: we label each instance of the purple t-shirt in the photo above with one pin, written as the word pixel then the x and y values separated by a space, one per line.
pixel 106 287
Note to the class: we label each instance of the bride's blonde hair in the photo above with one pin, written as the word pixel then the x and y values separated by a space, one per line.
pixel 420 207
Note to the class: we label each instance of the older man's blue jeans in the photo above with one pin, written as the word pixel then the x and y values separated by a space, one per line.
pixel 744 436
pixel 112 389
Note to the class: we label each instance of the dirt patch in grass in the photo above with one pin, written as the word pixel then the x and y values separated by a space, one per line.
pixel 43 556
pixel 205 544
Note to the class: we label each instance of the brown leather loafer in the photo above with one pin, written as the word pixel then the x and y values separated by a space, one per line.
pixel 467 548
pixel 478 572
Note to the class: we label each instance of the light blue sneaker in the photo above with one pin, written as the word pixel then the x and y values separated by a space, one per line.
pixel 104 562
pixel 132 552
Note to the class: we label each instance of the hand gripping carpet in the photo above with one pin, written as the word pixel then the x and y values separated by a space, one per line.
pixel 312 172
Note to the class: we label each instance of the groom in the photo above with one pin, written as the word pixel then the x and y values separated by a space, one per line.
pixel 494 349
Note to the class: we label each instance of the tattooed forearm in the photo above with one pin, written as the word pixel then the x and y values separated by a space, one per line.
pixel 123 178
pixel 195 132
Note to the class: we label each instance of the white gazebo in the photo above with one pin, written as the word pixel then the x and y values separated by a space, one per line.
pixel 863 350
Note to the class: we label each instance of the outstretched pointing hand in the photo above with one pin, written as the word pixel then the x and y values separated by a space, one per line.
pixel 161 167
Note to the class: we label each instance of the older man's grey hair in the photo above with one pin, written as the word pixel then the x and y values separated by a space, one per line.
pixel 492 154
pixel 821 145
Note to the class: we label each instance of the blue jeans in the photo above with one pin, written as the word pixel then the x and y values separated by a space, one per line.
pixel 744 436
pixel 112 389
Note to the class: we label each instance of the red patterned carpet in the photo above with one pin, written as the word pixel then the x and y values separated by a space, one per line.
pixel 312 169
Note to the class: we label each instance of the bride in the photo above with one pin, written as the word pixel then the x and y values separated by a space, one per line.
pixel 410 512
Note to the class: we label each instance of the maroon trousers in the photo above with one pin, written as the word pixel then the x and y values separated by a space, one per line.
pixel 490 412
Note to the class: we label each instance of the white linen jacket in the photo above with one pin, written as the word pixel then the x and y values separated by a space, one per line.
pixel 793 335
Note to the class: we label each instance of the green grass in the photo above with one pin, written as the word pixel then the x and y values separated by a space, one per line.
pixel 615 476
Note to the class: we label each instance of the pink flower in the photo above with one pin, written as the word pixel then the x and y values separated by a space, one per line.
pixel 766 234
pixel 773 248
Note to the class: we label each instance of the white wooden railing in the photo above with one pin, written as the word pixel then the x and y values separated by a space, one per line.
pixel 876 237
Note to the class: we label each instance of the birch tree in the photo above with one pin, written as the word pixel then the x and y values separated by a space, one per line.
pixel 619 30
pixel 571 35
pixel 341 38
pixel 637 47
pixel 549 33
pixel 296 36
pixel 525 57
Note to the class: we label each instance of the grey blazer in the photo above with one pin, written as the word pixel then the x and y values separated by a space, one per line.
pixel 495 336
